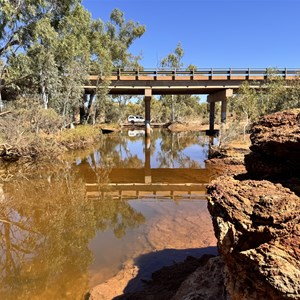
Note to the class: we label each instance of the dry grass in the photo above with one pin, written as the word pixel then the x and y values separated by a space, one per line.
pixel 79 137
pixel 29 136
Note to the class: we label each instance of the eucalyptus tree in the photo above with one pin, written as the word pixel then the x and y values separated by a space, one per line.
pixel 292 97
pixel 272 95
pixel 47 49
pixel 181 105
pixel 19 22
pixel 73 60
pixel 245 104
pixel 110 44
pixel 172 61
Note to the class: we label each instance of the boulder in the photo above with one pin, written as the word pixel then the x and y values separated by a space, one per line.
pixel 257 227
pixel 206 283
pixel 275 146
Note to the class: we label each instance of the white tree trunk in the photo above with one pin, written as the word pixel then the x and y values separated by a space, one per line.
pixel 173 109
pixel 44 97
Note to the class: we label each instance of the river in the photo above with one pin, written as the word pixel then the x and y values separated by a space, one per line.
pixel 66 227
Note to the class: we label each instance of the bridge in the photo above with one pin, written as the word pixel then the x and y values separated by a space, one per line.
pixel 131 183
pixel 145 181
pixel 219 84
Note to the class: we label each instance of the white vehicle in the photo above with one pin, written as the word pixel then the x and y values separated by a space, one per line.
pixel 135 119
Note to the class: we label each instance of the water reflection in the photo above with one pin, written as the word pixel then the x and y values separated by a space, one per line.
pixel 46 224
pixel 49 214
pixel 139 166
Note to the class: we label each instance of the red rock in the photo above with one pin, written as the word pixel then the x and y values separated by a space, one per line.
pixel 257 226
pixel 277 136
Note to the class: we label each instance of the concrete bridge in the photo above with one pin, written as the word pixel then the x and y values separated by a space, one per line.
pixel 145 182
pixel 131 183
pixel 219 84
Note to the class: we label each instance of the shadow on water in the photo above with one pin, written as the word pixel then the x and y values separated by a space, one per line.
pixel 151 262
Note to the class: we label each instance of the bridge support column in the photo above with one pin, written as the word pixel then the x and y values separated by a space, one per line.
pixel 147 99
pixel 212 99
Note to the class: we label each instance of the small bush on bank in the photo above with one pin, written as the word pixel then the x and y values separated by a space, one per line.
pixel 78 137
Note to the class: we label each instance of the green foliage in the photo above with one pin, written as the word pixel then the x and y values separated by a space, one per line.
pixel 191 67
pixel 48 48
pixel 246 102
pixel 173 60
pixel 184 107
pixel 271 96
pixel 179 107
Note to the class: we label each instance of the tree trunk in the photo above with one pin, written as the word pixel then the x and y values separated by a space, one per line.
pixel 89 107
pixel 173 109
pixel 1 102
pixel 45 100
pixel 44 92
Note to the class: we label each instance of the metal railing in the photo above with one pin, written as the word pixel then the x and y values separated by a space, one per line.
pixel 208 72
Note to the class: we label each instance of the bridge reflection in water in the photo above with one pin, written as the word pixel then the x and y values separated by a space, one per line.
pixel 144 182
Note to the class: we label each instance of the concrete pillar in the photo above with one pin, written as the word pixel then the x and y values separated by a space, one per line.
pixel 212 99
pixel 147 99
pixel 223 110
pixel 212 106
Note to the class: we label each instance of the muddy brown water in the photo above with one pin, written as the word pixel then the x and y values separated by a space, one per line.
pixel 70 226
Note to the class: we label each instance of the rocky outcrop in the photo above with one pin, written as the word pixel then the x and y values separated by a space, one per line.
pixel 275 146
pixel 206 283
pixel 257 226
pixel 225 165
pixel 257 223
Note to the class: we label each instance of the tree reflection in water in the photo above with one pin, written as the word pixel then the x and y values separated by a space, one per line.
pixel 46 223
pixel 172 146
pixel 114 153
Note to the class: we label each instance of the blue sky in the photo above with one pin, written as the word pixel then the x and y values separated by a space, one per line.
pixel 214 33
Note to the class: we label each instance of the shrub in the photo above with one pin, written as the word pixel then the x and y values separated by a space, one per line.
pixel 79 137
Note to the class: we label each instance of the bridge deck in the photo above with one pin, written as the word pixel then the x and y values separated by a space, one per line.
pixel 203 81
pixel 144 190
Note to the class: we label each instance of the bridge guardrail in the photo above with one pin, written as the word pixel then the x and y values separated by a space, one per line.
pixel 286 72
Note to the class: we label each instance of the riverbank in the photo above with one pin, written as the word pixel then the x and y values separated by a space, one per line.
pixel 48 146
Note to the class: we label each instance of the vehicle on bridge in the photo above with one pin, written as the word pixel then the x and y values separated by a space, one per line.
pixel 135 119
